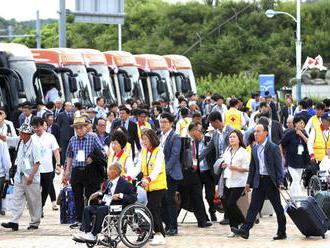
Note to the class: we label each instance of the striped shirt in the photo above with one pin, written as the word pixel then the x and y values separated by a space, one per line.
pixel 87 144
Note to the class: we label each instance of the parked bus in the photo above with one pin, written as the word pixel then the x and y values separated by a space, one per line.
pixel 181 73
pixel 125 71
pixel 16 77
pixel 99 75
pixel 155 76
pixel 63 68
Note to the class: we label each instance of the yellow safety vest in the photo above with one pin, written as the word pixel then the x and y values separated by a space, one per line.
pixel 146 125
pixel 315 121
pixel 249 150
pixel 321 144
pixel 122 161
pixel 249 103
pixel 184 124
pixel 233 118
pixel 148 166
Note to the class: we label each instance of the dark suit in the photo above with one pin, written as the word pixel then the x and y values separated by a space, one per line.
pixel 56 112
pixel 173 176
pixel 132 131
pixel 266 186
pixel 66 132
pixel 55 130
pixel 285 112
pixel 273 108
pixel 276 132
pixel 129 197
pixel 21 119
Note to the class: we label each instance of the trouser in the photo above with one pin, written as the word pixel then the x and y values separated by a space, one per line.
pixel 169 211
pixel 295 188
pixel 52 192
pixel 100 212
pixel 155 206
pixel 46 182
pixel 266 189
pixel 2 184
pixel 194 186
pixel 81 189
pixel 231 196
pixel 64 146
pixel 30 194
pixel 209 185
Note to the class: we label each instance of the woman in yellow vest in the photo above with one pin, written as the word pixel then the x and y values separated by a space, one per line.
pixel 233 117
pixel 117 153
pixel 319 139
pixel 183 124
pixel 152 164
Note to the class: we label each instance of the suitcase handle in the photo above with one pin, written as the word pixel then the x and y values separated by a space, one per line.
pixel 291 201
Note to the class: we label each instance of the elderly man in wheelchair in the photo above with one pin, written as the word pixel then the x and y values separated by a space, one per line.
pixel 113 209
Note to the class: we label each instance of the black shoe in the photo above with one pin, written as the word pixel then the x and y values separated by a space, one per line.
pixel 240 232
pixel 213 217
pixel 280 236
pixel 32 227
pixel 172 232
pixel 224 222
pixel 2 213
pixel 42 214
pixel 205 224
pixel 13 226
pixel 74 225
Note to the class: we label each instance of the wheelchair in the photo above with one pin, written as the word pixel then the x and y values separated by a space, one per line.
pixel 132 225
pixel 319 182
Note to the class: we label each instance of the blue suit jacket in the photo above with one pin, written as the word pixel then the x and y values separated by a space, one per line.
pixel 273 163
pixel 172 150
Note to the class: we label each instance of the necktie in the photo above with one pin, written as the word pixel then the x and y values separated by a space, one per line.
pixel 123 124
pixel 27 120
pixel 109 188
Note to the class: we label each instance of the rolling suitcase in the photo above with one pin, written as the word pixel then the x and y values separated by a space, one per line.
pixel 307 216
pixel 323 200
pixel 67 206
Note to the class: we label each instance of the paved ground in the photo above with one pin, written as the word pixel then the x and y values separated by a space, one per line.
pixel 53 235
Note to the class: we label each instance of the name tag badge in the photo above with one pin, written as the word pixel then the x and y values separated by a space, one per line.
pixel 27 164
pixel 81 156
pixel 106 148
pixel 300 149
pixel 107 199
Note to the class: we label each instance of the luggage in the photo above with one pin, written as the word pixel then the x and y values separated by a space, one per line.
pixel 307 216
pixel 323 200
pixel 267 209
pixel 67 206
pixel 244 203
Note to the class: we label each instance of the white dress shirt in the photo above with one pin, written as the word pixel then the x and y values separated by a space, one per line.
pixel 261 158
pixel 157 167
pixel 51 95
pixel 163 138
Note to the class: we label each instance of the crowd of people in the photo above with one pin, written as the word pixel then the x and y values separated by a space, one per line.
pixel 223 146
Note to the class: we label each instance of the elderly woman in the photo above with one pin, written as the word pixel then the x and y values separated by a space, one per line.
pixel 116 188
pixel 152 164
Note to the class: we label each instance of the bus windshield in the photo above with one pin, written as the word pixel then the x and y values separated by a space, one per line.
pixel 84 87
pixel 107 83
pixel 134 75
pixel 165 74
pixel 26 69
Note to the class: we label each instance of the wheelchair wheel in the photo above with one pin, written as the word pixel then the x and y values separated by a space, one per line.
pixel 135 225
pixel 314 185
pixel 109 236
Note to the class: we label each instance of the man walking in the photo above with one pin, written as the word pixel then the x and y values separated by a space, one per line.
pixel 171 144
pixel 27 180
pixel 80 147
pixel 266 177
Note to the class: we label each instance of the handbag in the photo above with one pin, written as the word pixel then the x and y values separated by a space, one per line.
pixel 4 190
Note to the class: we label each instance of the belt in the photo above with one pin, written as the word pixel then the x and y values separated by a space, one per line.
pixel 264 176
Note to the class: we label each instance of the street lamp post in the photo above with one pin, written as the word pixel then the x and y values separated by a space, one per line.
pixel 271 13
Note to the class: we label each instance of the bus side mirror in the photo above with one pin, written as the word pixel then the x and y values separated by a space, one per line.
pixel 185 85
pixel 127 84
pixel 73 84
pixel 160 86
pixel 97 83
